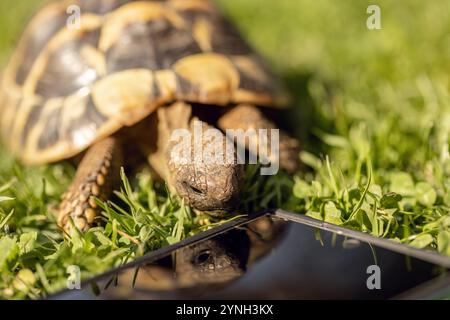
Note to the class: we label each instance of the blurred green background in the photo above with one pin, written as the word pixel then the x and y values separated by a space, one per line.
pixel 322 39
pixel 323 48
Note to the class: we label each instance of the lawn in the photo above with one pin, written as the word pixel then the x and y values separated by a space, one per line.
pixel 371 108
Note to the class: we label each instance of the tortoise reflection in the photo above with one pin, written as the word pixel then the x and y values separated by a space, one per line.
pixel 209 265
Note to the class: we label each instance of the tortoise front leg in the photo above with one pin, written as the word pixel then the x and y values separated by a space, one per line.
pixel 96 176
pixel 245 117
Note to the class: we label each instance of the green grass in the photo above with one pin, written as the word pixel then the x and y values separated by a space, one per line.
pixel 34 254
pixel 372 109
pixel 13 18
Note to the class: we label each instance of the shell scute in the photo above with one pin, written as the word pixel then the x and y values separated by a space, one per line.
pixel 66 88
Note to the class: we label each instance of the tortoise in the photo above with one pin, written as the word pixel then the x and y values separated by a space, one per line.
pixel 121 82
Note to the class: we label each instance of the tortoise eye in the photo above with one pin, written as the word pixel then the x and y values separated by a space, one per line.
pixel 203 257
pixel 193 189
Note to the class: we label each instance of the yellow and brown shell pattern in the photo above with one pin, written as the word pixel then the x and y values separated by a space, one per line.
pixel 66 87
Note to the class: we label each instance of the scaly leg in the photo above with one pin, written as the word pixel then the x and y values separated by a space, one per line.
pixel 96 176
pixel 247 117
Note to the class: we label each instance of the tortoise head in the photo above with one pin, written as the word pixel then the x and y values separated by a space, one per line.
pixel 211 188
pixel 204 169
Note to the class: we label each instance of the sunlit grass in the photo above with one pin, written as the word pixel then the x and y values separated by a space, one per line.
pixel 372 108
pixel 141 218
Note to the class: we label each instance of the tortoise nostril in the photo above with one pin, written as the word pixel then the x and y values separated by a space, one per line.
pixel 192 188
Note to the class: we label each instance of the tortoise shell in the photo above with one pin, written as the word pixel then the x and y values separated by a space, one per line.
pixel 67 87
